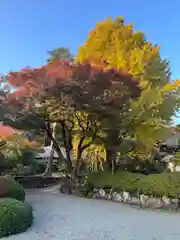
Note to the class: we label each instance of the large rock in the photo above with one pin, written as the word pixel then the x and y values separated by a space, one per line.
pixel 171 166
pixel 99 193
pixel 65 189
pixel 126 196
pixel 108 196
pixel 102 193
pixel 166 200
pixel 69 187
pixel 167 158
pixel 95 193
pixel 143 199
pixel 116 197
pixel 150 202
pixel 154 202
pixel 177 168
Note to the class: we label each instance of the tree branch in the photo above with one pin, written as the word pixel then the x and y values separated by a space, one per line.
pixel 90 142
pixel 79 122
pixel 57 148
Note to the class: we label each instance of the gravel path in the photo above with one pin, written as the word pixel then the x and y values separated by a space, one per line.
pixel 59 217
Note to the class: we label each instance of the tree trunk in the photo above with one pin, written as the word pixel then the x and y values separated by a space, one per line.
pixel 57 148
pixel 111 152
pixel 81 148
pixel 78 164
pixel 47 140
pixel 67 139
pixel 111 159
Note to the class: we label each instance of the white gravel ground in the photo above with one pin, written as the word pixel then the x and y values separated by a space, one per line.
pixel 59 217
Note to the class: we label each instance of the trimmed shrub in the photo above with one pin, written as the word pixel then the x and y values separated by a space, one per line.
pixel 28 157
pixel 121 181
pixel 158 185
pixel 9 188
pixel 100 179
pixel 173 185
pixel 13 160
pixel 126 181
pixel 15 217
pixel 153 185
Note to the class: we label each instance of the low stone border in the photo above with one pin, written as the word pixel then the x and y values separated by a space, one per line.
pixel 142 201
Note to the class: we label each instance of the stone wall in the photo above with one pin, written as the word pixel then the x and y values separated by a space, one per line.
pixel 142 201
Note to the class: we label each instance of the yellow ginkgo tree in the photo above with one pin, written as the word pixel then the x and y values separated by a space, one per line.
pixel 114 44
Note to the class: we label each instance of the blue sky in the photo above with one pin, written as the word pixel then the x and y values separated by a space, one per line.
pixel 31 27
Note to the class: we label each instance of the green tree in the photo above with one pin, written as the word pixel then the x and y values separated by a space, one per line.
pixel 114 44
pixel 61 53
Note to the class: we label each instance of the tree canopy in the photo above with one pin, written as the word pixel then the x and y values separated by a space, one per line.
pixel 61 53
pixel 81 98
pixel 115 92
pixel 115 43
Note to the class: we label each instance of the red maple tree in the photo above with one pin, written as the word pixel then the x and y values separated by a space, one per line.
pixel 103 94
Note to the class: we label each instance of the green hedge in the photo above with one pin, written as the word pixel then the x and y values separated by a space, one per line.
pixel 122 181
pixel 9 188
pixel 162 184
pixel 15 216
pixel 158 185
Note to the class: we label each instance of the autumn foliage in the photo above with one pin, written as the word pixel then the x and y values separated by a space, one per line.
pixel 85 84
pixel 6 131
pixel 103 95
pixel 118 88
